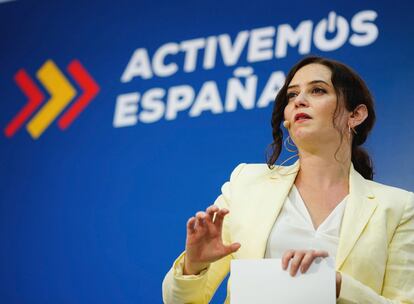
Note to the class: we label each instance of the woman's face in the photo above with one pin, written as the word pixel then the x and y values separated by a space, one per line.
pixel 311 105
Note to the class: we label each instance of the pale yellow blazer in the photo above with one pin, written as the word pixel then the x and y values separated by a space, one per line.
pixel 376 246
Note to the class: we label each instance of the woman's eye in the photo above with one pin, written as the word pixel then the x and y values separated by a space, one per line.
pixel 291 95
pixel 318 90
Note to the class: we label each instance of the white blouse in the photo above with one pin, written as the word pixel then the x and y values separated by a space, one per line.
pixel 293 228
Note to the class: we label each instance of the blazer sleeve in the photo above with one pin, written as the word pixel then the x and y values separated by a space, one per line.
pixel 179 288
pixel 398 286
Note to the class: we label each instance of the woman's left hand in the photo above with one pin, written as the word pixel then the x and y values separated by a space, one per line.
pixel 302 259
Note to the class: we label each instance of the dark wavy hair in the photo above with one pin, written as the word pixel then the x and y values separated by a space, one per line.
pixel 351 91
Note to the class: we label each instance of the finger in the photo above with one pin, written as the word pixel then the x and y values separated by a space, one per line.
pixel 211 210
pixel 201 216
pixel 321 253
pixel 210 225
pixel 310 257
pixel 199 222
pixel 295 262
pixel 218 221
pixel 190 225
pixel 307 261
pixel 286 258
pixel 231 248
pixel 222 212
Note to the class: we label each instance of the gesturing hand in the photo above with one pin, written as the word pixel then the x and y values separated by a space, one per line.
pixel 204 244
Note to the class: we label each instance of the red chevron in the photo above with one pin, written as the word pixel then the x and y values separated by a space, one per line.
pixel 35 98
pixel 90 88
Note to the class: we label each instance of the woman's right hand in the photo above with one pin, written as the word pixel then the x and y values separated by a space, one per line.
pixel 204 244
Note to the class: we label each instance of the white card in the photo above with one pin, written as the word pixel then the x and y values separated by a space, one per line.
pixel 265 282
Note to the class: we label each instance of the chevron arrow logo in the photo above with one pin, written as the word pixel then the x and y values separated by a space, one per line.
pixel 61 92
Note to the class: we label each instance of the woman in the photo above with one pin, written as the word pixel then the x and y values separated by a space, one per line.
pixel 324 204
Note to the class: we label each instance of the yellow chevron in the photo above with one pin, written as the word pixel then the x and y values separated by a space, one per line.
pixel 61 93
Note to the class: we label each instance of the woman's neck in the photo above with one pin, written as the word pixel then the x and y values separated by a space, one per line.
pixel 323 171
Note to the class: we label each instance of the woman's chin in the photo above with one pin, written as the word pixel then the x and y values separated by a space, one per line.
pixel 301 134
pixel 306 138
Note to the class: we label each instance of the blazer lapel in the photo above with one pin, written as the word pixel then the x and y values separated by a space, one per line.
pixel 270 199
pixel 359 209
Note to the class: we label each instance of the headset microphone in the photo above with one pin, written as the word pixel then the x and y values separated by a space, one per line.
pixel 286 124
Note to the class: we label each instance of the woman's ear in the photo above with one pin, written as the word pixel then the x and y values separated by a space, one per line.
pixel 358 116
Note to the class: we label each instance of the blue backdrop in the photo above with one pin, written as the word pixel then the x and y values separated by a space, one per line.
pixel 121 119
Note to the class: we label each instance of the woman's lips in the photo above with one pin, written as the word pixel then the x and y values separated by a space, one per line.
pixel 301 117
pixel 302 120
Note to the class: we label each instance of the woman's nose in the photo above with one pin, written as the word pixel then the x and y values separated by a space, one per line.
pixel 301 100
